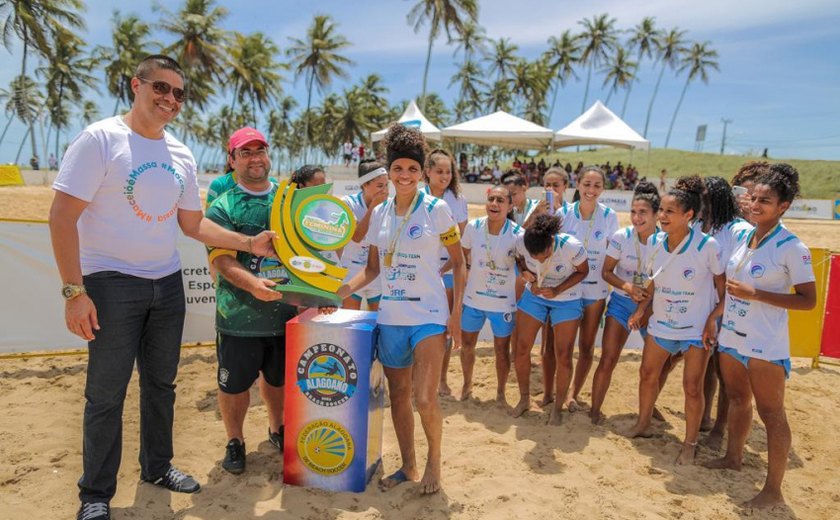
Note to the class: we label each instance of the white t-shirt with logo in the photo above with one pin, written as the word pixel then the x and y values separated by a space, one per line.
pixel 758 329
pixel 728 236
pixel 412 288
pixel 520 217
pixel 458 207
pixel 355 255
pixel 491 289
pixel 631 254
pixel 568 254
pixel 594 234
pixel 683 298
pixel 135 187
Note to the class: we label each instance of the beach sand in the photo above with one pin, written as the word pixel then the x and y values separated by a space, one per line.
pixel 493 466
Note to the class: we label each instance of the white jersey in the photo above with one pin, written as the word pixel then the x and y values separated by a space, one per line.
pixel 631 254
pixel 568 254
pixel 519 217
pixel 355 255
pixel 728 236
pixel 683 298
pixel 458 207
pixel 492 278
pixel 135 187
pixel 412 288
pixel 758 329
pixel 594 234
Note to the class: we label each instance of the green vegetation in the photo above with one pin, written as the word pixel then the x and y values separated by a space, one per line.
pixel 819 179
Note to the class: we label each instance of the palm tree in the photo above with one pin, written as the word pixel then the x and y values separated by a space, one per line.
pixel 317 58
pixel 499 96
pixel 598 39
pixel 8 102
pixel 471 39
pixel 698 60
pixel 561 57
pixel 90 112
pixel 502 58
pixel 441 14
pixel 28 102
pixel 645 38
pixel 67 74
pixel 130 44
pixel 537 83
pixel 619 72
pixel 256 78
pixel 199 47
pixel 435 111
pixel 279 123
pixel 471 79
pixel 31 22
pixel 668 52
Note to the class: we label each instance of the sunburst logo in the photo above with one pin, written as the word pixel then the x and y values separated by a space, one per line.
pixel 325 447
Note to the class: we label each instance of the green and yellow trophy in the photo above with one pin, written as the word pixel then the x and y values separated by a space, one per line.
pixel 309 224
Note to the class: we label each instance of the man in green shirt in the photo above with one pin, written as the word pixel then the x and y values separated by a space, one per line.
pixel 250 319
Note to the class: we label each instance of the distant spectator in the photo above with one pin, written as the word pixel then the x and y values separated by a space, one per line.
pixel 348 153
pixel 34 163
pixel 53 162
pixel 497 172
pixel 361 151
pixel 662 175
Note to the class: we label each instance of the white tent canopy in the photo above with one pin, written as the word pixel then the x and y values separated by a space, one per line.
pixel 412 117
pixel 599 125
pixel 501 129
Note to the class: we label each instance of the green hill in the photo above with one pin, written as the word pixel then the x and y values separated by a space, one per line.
pixel 819 179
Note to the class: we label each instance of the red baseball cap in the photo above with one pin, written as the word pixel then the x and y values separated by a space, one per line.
pixel 244 136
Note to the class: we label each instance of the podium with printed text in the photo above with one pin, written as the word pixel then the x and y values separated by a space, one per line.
pixel 334 401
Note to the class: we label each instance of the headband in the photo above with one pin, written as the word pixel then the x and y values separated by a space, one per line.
pixel 369 176
pixel 415 154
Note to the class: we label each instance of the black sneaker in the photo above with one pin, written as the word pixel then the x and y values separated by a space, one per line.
pixel 234 457
pixel 94 511
pixel 276 439
pixel 176 481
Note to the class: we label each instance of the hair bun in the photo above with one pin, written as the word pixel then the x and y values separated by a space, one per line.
pixel 645 186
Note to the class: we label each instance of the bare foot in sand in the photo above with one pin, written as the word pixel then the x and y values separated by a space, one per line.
pixel 658 415
pixel 723 463
pixel 639 431
pixel 431 479
pixel 713 441
pixel 596 416
pixel 556 417
pixel 443 389
pixel 546 400
pixel 764 500
pixel 686 456
pixel 521 407
pixel 397 478
pixel 500 398
pixel 572 405
pixel 466 393
pixel 707 424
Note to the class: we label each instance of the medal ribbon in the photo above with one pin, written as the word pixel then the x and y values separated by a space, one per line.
pixel 392 248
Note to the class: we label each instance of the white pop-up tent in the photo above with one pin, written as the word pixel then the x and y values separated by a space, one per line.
pixel 501 129
pixel 599 125
pixel 415 118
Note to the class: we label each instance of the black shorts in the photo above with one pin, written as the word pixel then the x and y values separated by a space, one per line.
pixel 241 359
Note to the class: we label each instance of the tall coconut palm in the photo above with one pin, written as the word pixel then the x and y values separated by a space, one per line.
pixel 619 72
pixel 597 41
pixel 28 102
pixel 67 75
pixel 668 52
pixel 90 112
pixel 30 21
pixel 440 14
pixel 257 78
pixel 644 39
pixel 499 96
pixel 199 46
pixel 470 40
pixel 471 79
pixel 699 59
pixel 561 57
pixel 436 111
pixel 529 83
pixel 502 58
pixel 130 43
pixel 317 57
pixel 8 103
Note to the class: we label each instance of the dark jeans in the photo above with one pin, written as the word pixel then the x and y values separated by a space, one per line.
pixel 140 320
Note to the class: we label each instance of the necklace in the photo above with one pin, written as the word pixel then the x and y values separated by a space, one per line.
pixel 542 267
pixel 389 253
pixel 491 263
pixel 667 260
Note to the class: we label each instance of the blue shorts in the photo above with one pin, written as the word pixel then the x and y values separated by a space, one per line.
pixel 587 302
pixel 540 308
pixel 473 319
pixel 397 342
pixel 448 281
pixel 745 360
pixel 620 308
pixel 676 346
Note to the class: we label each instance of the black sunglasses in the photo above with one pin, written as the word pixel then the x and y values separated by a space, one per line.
pixel 163 88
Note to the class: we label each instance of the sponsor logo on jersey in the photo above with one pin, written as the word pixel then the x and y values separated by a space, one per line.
pixel 757 271
pixel 689 273
pixel 414 232
pixel 327 374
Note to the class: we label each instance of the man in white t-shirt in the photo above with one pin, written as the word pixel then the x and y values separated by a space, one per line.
pixel 124 189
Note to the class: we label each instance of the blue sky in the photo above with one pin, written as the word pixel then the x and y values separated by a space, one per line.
pixel 779 80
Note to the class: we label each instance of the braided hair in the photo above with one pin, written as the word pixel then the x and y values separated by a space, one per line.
pixel 783 179
pixel 541 235
pixel 719 204
pixel 688 191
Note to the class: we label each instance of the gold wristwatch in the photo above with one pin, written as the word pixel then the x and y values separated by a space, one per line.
pixel 71 290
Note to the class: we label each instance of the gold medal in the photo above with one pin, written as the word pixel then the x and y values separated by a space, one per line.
pixel 389 258
pixel 638 281
pixel 492 265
